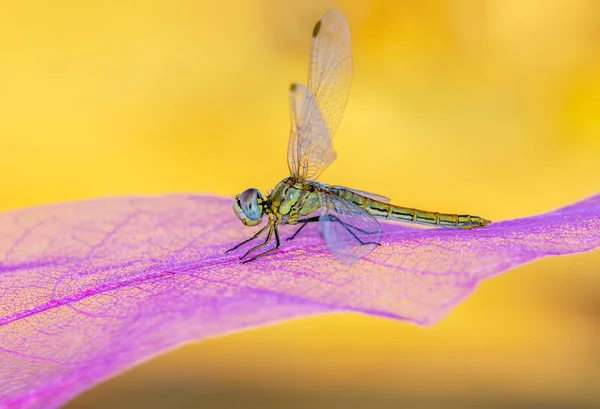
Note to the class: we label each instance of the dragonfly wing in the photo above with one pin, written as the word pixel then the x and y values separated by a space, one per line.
pixel 309 143
pixel 323 103
pixel 369 195
pixel 350 232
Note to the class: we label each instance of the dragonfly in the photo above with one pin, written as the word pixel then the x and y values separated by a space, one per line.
pixel 347 218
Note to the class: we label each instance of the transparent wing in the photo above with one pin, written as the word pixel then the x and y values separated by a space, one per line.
pixel 302 151
pixel 297 96
pixel 350 232
pixel 317 111
pixel 369 195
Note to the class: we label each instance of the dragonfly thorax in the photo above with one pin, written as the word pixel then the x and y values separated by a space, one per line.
pixel 248 207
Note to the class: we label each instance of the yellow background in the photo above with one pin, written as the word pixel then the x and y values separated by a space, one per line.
pixel 487 107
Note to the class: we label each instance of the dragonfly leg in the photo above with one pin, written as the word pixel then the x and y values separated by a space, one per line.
pixel 304 223
pixel 268 239
pixel 362 231
pixel 349 228
pixel 261 231
pixel 277 245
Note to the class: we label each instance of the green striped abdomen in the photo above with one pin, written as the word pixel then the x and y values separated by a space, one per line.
pixel 389 211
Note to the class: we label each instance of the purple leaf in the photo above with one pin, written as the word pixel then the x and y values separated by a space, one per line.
pixel 87 289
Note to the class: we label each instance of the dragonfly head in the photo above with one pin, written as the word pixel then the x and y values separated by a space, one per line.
pixel 248 207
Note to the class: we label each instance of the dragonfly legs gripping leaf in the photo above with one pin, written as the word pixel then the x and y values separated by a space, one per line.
pixel 261 231
pixel 272 229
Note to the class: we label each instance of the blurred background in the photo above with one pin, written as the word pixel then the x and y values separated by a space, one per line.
pixel 111 98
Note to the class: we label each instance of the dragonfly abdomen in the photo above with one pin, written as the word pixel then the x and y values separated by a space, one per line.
pixel 435 218
pixel 389 211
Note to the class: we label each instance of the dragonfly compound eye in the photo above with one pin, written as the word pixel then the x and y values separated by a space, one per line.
pixel 250 203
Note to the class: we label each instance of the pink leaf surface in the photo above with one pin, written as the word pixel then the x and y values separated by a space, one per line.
pixel 90 288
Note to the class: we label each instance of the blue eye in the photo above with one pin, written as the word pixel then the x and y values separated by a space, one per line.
pixel 249 203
